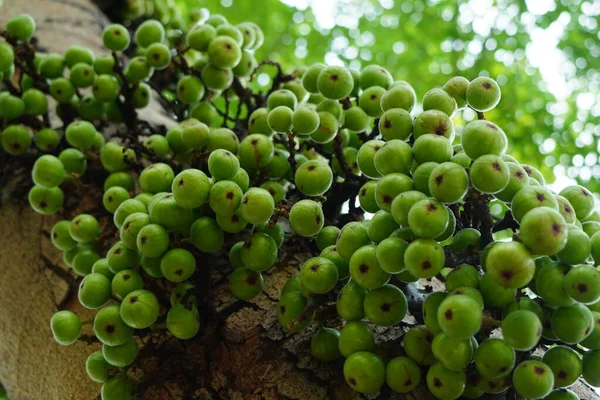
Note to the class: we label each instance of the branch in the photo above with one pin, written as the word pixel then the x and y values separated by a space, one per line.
pixel 31 121
pixel 375 132
pixel 69 113
pixel 262 64
pixel 455 208
pixel 365 137
pixel 24 60
pixel 508 222
pixel 477 208
pixel 315 302
pixel 88 339
pixel 346 103
pixel 244 100
pixel 165 103
pixel 224 114
pixel 279 79
pixel 63 275
pixel 339 154
pixel 281 210
pixel 291 144
pixel 455 258
pixel 180 61
pixel 12 89
pixel 127 107
pixel 134 144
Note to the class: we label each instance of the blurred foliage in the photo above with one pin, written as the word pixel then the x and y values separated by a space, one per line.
pixel 425 42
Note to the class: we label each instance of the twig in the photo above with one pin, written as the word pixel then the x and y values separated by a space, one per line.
pixel 24 60
pixel 480 114
pixel 291 144
pixel 483 216
pixel 181 52
pixel 262 64
pixel 455 258
pixel 315 302
pixel 226 117
pixel 375 132
pixel 455 208
pixel 46 119
pixel 181 63
pixel 339 154
pixel 127 107
pixel 346 103
pixel 12 89
pixel 134 144
pixel 31 121
pixel 63 275
pixel 279 79
pixel 223 114
pixel 281 210
pixel 508 222
pixel 68 113
pixel 245 96
pixel 166 103
pixel 88 339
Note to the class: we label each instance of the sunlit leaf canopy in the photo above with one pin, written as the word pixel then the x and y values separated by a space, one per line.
pixel 545 54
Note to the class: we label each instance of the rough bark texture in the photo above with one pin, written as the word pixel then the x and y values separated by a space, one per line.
pixel 241 352
pixel 33 365
pixel 244 355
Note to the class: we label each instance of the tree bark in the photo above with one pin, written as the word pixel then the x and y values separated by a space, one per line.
pixel 33 365
pixel 243 356
pixel 241 352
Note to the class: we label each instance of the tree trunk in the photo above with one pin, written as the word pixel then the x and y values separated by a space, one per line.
pixel 243 356
pixel 33 366
pixel 241 352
